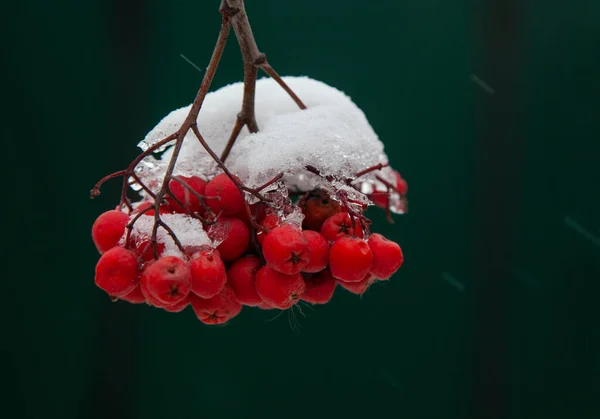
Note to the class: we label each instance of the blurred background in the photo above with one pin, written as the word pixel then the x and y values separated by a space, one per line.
pixel 490 110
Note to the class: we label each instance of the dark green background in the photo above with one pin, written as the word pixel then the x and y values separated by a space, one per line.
pixel 498 185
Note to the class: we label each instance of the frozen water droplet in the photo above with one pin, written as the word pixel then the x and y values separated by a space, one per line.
pixel 217 233
pixel 134 185
pixel 294 217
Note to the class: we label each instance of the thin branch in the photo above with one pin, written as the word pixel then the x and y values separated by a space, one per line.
pixel 143 185
pixel 253 59
pixel 343 197
pixel 266 67
pixel 371 169
pixel 173 236
pixel 191 118
pixel 211 70
pixel 131 169
pixel 269 183
pixel 388 184
pixel 237 128
pixel 201 198
pixel 234 179
pixel 130 225
pixel 214 155
pixel 96 189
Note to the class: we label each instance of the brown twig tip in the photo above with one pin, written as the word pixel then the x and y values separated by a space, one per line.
pixel 373 168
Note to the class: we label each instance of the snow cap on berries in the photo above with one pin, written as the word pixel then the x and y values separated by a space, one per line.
pixel 188 230
pixel 332 135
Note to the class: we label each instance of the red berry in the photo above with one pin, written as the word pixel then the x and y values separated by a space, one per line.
pixel 279 290
pixel 380 199
pixel 142 206
pixel 319 287
pixel 269 222
pixel 108 229
pixel 259 211
pixel 117 272
pixel 319 251
pixel 350 259
pixel 163 209
pixel 387 256
pixel 359 287
pixel 150 299
pixel 286 250
pixel 208 273
pixel 401 184
pixel 265 306
pixel 237 240
pixel 241 276
pixel 190 201
pixel 178 307
pixel 190 250
pixel 231 201
pixel 175 308
pixel 340 225
pixel 317 206
pixel 134 297
pixel 168 279
pixel 143 247
pixel 218 309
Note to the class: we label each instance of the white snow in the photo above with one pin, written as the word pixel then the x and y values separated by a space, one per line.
pixel 188 230
pixel 332 134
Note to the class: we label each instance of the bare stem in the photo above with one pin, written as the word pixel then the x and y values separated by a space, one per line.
pixel 266 67
pixel 173 236
pixel 388 184
pixel 129 226
pixel 253 59
pixel 96 189
pixel 130 170
pixel 250 55
pixel 234 179
pixel 269 183
pixel 371 169
pixel 191 120
pixel 143 185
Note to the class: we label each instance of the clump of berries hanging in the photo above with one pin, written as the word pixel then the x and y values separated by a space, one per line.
pixel 257 255
pixel 259 218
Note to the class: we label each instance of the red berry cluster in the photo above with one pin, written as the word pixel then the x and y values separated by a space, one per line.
pixel 267 258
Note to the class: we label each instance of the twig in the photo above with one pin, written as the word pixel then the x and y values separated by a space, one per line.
pixel 371 169
pixel 253 59
pixel 388 184
pixel 96 189
pixel 201 198
pixel 130 225
pixel 343 197
pixel 191 118
pixel 266 67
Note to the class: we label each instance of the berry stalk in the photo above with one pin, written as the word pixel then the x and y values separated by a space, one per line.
pixel 253 60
